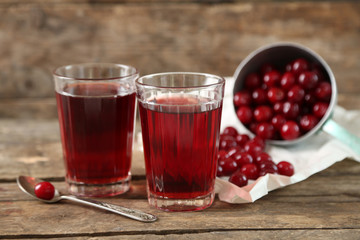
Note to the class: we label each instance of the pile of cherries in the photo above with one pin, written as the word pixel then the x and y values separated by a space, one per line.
pixel 283 104
pixel 244 158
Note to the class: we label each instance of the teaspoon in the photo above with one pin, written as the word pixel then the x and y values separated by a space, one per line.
pixel 27 185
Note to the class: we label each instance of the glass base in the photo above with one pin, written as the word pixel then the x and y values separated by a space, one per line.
pixel 99 190
pixel 181 205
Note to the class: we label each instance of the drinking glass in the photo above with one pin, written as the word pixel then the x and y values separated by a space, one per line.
pixel 180 119
pixel 96 110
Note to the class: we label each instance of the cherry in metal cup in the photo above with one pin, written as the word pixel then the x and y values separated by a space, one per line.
pixel 180 119
pixel 96 110
pixel 280 54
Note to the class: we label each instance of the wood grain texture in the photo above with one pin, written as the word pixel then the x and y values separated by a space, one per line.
pixel 157 37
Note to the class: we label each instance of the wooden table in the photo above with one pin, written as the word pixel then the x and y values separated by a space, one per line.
pixel 325 206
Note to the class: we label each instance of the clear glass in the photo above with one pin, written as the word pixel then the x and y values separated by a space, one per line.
pixel 96 110
pixel 180 119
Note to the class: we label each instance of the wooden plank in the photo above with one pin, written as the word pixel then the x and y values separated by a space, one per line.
pixel 159 37
pixel 64 219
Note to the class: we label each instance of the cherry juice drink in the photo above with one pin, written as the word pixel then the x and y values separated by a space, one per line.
pixel 180 138
pixel 96 125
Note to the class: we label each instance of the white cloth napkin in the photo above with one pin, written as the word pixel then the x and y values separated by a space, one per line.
pixel 312 156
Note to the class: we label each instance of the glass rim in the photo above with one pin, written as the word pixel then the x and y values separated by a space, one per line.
pixel 220 82
pixel 63 76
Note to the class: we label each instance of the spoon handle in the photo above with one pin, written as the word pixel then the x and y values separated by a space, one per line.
pixel 127 212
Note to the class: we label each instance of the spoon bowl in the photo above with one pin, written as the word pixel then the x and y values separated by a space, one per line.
pixel 27 185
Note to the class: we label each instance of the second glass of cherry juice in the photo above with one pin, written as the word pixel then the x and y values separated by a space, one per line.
pixel 180 119
pixel 96 106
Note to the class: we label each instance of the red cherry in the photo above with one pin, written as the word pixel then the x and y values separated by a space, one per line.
pixel 231 131
pixel 290 130
pixel 253 126
pixel 308 80
pixel 323 91
pixel 268 167
pixel 309 99
pixel 277 121
pixel 222 154
pixel 319 109
pixel 242 98
pixel 265 130
pixel 275 94
pixel 263 157
pixel 299 65
pixel 242 139
pixel 285 168
pixel 228 165
pixel 238 178
pixel 44 190
pixel 250 170
pixel 220 171
pixel 265 68
pixel 252 81
pixel 296 94
pixel 308 122
pixel 242 158
pixel 272 78
pixel 259 96
pixel 227 142
pixel 245 114
pixel 278 107
pixel 287 80
pixel 258 140
pixel 263 113
pixel 233 150
pixel 291 110
pixel 253 149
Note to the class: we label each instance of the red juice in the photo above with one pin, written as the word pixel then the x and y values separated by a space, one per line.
pixel 96 126
pixel 180 137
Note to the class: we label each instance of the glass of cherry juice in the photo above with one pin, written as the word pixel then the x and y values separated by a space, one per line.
pixel 180 119
pixel 96 110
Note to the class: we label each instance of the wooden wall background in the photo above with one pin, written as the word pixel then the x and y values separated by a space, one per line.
pixel 36 36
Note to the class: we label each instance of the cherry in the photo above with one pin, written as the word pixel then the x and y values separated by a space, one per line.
pixel 323 91
pixel 242 158
pixel 268 167
pixel 299 65
pixel 226 142
pixel 253 148
pixel 259 96
pixel 263 113
pixel 308 80
pixel 253 126
pixel 238 178
pixel 232 151
pixel 278 107
pixel 285 168
pixel 228 165
pixel 308 122
pixel 245 114
pixel 290 130
pixel 287 80
pixel 44 190
pixel 265 68
pixel 275 94
pixel 231 131
pixel 296 94
pixel 272 78
pixel 309 99
pixel 222 154
pixel 277 121
pixel 265 130
pixel 242 98
pixel 252 81
pixel 319 109
pixel 263 157
pixel 242 139
pixel 250 170
pixel 291 110
pixel 220 171
pixel 258 140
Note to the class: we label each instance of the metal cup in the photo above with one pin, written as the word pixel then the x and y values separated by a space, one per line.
pixel 278 54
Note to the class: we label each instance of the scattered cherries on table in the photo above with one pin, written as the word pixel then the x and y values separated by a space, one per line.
pixel 44 190
pixel 283 104
pixel 243 158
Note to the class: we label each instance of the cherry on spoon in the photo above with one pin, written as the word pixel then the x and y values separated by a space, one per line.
pixel 27 185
